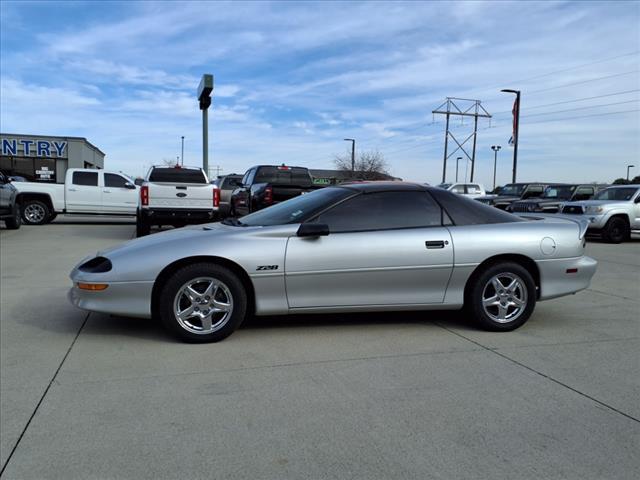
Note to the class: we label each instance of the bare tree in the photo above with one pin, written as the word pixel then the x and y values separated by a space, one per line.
pixel 369 165
pixel 169 162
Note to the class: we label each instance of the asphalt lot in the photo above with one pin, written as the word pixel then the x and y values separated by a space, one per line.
pixel 419 395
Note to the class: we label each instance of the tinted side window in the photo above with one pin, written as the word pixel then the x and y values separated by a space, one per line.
pixel 116 181
pixel 85 178
pixel 466 211
pixel 383 211
pixel 458 189
pixel 584 193
pixel 534 191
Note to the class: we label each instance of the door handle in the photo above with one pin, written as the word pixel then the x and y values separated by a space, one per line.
pixel 106 191
pixel 73 190
pixel 430 244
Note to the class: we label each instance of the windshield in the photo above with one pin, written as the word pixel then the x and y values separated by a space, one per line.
pixel 177 175
pixel 563 192
pixel 616 193
pixel 511 190
pixel 296 210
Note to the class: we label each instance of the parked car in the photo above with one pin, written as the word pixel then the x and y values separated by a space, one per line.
pixel 176 196
pixel 85 191
pixel 9 206
pixel 227 184
pixel 511 193
pixel 266 185
pixel 613 213
pixel 553 197
pixel 467 189
pixel 379 246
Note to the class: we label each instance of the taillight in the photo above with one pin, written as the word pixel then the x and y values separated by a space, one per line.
pixel 268 195
pixel 144 195
pixel 216 197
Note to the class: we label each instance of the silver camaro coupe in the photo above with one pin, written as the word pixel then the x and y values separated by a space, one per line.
pixel 361 247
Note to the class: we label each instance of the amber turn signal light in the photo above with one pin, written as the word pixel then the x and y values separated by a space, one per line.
pixel 92 286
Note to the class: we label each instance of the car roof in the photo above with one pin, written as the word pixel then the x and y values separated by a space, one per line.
pixel 385 186
pixel 629 185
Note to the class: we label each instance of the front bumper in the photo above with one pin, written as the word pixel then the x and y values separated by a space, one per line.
pixel 130 299
pixel 557 277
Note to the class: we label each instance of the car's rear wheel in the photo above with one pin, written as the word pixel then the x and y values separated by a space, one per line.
pixel 616 230
pixel 14 222
pixel 502 297
pixel 203 302
pixel 35 212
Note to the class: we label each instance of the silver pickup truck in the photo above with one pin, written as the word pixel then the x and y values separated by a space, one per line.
pixel 613 213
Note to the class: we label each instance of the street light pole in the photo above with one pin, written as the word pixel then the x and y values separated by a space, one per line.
pixel 495 149
pixel 628 168
pixel 204 97
pixel 516 130
pixel 457 160
pixel 353 154
pixel 182 152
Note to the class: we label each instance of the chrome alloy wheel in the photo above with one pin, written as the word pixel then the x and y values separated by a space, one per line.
pixel 504 297
pixel 34 213
pixel 203 305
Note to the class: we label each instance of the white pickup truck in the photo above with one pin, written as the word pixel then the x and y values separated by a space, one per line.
pixel 85 191
pixel 176 195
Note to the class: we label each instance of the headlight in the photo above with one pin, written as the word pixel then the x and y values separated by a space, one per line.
pixel 532 208
pixel 594 209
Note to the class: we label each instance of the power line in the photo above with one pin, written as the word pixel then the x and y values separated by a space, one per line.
pixel 583 81
pixel 578 100
pixel 585 116
pixel 579 108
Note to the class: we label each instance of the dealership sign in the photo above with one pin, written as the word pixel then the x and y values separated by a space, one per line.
pixel 38 148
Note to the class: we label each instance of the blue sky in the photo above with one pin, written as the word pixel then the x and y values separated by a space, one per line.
pixel 293 79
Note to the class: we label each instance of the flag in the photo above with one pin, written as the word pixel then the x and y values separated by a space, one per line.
pixel 514 131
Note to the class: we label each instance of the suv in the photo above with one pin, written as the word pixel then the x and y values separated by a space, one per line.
pixel 9 206
pixel 613 213
pixel 176 195
pixel 553 198
pixel 471 190
pixel 511 193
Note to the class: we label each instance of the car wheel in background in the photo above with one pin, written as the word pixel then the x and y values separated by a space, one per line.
pixel 616 230
pixel 142 226
pixel 35 212
pixel 502 297
pixel 203 302
pixel 14 222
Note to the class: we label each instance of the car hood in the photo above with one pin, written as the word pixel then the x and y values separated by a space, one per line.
pixel 597 203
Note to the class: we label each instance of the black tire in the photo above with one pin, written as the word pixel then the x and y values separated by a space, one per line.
pixel 143 227
pixel 15 221
pixel 616 230
pixel 229 285
pixel 482 288
pixel 35 212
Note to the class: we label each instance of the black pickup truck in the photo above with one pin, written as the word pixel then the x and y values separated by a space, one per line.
pixel 553 197
pixel 513 192
pixel 265 185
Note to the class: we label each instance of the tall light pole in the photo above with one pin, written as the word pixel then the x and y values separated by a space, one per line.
pixel 182 152
pixel 628 168
pixel 457 160
pixel 353 155
pixel 204 97
pixel 516 130
pixel 496 149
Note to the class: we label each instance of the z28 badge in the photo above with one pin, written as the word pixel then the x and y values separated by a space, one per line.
pixel 267 267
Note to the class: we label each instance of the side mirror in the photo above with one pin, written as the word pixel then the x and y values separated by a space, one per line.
pixel 637 200
pixel 313 230
pixel 139 181
pixel 130 186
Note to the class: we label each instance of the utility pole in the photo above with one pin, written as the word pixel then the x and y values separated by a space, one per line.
pixel 457 160
pixel 353 155
pixel 496 149
pixel 462 107
pixel 204 98
pixel 182 152
pixel 628 168
pixel 516 130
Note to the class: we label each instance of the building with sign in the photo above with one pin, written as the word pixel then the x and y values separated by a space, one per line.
pixel 39 158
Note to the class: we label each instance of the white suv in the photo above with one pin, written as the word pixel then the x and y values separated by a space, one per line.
pixel 467 189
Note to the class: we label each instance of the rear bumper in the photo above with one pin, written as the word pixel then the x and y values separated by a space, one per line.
pixel 168 215
pixel 557 277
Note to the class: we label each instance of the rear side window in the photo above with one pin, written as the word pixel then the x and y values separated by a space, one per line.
pixel 458 189
pixel 383 211
pixel 115 181
pixel 473 188
pixel 85 178
pixel 284 176
pixel 466 211
pixel 228 183
pixel 177 175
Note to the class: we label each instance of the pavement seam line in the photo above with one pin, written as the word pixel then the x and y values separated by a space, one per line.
pixel 611 294
pixel 548 377
pixel 44 394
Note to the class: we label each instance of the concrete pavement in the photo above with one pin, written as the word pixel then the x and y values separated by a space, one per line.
pixel 418 395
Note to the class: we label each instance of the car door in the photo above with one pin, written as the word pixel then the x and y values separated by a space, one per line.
pixel 385 248
pixel 119 195
pixel 83 193
pixel 635 221
pixel 5 194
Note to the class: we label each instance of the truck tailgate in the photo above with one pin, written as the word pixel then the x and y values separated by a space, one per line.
pixel 186 195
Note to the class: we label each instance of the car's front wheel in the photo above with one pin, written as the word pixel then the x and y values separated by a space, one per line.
pixel 616 230
pixel 35 212
pixel 202 302
pixel 502 297
pixel 15 221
